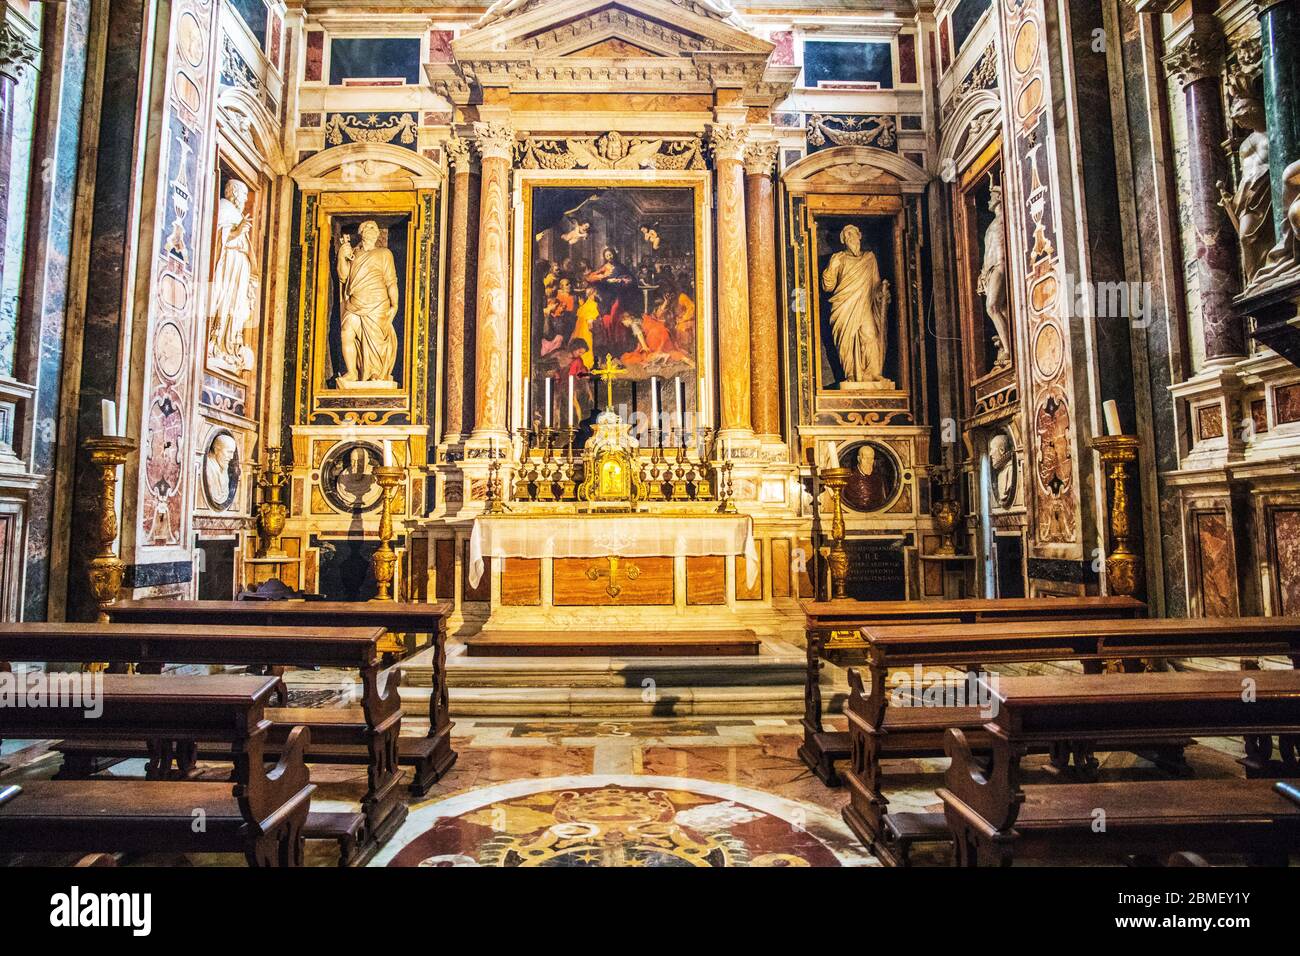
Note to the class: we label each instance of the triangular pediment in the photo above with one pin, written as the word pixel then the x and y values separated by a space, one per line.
pixel 608 29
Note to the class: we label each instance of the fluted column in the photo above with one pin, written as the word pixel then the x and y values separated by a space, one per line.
pixel 458 152
pixel 728 145
pixel 495 143
pixel 1197 64
pixel 760 229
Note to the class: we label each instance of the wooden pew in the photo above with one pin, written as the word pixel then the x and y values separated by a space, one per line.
pixel 430 756
pixel 832 630
pixel 367 734
pixel 877 731
pixel 261 814
pixel 994 818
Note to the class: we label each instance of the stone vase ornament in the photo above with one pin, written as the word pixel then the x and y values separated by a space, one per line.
pixel 946 511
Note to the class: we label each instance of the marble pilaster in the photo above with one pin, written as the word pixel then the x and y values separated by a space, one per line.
pixel 1197 64
pixel 495 143
pixel 458 150
pixel 760 223
pixel 727 142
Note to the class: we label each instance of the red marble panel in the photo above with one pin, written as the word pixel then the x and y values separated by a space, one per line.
pixel 1286 403
pixel 315 66
pixel 1286 551
pixel 907 58
pixel 1218 593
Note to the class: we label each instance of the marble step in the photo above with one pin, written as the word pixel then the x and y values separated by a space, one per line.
pixel 626 702
pixel 778 665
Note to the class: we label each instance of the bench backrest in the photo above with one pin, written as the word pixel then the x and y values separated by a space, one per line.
pixel 192 644
pixel 395 617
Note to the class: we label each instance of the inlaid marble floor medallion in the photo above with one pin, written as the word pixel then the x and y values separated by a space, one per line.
pixel 616 820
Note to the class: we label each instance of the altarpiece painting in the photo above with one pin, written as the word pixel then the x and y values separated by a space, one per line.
pixel 614 272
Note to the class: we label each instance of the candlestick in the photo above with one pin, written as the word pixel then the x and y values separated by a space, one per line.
pixel 681 421
pixel 1111 412
pixel 107 454
pixel 384 560
pixel 108 414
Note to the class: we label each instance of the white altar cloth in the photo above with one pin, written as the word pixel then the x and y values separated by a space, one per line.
pixel 621 535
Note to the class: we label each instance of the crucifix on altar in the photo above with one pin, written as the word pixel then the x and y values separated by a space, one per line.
pixel 608 372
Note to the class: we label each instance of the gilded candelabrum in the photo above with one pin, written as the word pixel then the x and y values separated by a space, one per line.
pixel 1123 566
pixel 384 560
pixel 271 510
pixel 106 569
pixel 495 503
pixel 946 511
pixel 835 479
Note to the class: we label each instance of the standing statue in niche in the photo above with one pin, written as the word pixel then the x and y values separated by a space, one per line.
pixel 859 308
pixel 367 306
pixel 1251 207
pixel 992 282
pixel 233 284
pixel 1002 460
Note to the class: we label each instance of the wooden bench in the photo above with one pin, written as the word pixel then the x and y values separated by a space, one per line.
pixel 261 814
pixel 994 818
pixel 367 734
pixel 833 631
pixel 877 731
pixel 430 756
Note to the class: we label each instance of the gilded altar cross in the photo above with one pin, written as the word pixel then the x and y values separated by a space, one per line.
pixel 608 372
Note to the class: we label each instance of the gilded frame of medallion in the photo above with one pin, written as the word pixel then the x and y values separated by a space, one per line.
pixel 408 404
pixel 699 182
pixel 901 285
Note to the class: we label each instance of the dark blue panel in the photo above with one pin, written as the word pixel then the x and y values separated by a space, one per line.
pixel 827 62
pixel 253 13
pixel 374 58
pixel 964 18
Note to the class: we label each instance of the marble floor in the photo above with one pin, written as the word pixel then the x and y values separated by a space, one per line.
pixel 725 791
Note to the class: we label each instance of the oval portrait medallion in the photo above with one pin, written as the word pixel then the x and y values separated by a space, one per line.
pixel 348 477
pixel 874 480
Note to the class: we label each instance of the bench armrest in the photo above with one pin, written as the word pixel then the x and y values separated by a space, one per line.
pixel 268 796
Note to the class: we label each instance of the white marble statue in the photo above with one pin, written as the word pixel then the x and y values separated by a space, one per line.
pixel 233 286
pixel 1251 207
pixel 992 282
pixel 216 470
pixel 368 297
pixel 1002 459
pixel 1283 261
pixel 859 307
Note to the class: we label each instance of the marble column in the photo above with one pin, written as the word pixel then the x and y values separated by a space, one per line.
pixel 495 142
pixel 16 57
pixel 760 228
pixel 458 151
pixel 728 145
pixel 1279 31
pixel 1197 64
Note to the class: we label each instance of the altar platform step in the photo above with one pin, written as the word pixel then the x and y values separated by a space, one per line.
pixel 738 643
pixel 769 683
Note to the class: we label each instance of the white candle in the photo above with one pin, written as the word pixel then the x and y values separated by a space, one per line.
pixel 681 403
pixel 108 414
pixel 388 453
pixel 1111 412
pixel 528 402
pixel 570 401
pixel 548 401
pixel 654 402
pixel 833 455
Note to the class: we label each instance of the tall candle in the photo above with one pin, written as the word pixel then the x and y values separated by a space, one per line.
pixel 108 414
pixel 388 453
pixel 528 404
pixel 1111 412
pixel 833 455
pixel 681 420
pixel 654 402
pixel 570 401
pixel 548 401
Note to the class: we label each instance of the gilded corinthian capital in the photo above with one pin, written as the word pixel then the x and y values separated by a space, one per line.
pixel 727 141
pixel 495 140
pixel 1200 56
pixel 760 157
